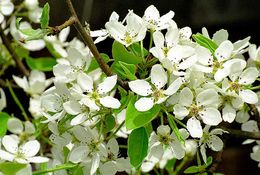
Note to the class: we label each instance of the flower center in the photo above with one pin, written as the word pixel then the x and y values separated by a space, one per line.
pixel 165 139
pixel 235 86
pixel 217 65
pixel 194 110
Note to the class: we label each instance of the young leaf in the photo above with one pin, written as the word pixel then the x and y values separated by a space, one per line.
pixel 42 63
pixel 124 70
pixel 3 123
pixel 10 168
pixel 45 17
pixel 205 42
pixel 192 169
pixel 120 53
pixel 136 119
pixel 137 146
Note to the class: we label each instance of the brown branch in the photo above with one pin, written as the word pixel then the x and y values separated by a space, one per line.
pixel 242 134
pixel 57 29
pixel 92 47
pixel 12 52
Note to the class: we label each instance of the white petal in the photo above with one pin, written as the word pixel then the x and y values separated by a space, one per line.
pixel 108 168
pixel 248 76
pixel 221 73
pixel 186 97
pixel 31 148
pixel 110 102
pixel 187 63
pixel 185 33
pixel 229 113
pixel 29 127
pixel 250 126
pixel 158 39
pixel 248 96
pixel 75 58
pixel 174 87
pixel 194 127
pixel 177 149
pixel 223 52
pixel 144 104
pixel 204 55
pixel 22 82
pixel 85 82
pixel 207 97
pixel 140 87
pixel 113 146
pixel 242 116
pixel 215 143
pixel 77 154
pixel 158 76
pixel 180 111
pixel 203 153
pixel 6 8
pixel 157 52
pixel 107 85
pixel 95 164
pixel 37 159
pixel 6 155
pixel 72 107
pixel 220 36
pixel 78 119
pixel 64 34
pixel 163 130
pixel 151 13
pixel 10 144
pixel 90 103
pixel 2 99
pixel 210 116
pixel 15 125
pixel 165 19
pixel 1 18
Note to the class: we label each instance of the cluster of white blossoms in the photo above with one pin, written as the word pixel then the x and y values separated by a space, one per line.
pixel 194 85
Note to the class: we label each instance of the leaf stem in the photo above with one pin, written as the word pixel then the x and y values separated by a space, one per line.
pixel 180 166
pixel 117 129
pixel 17 101
pixel 57 168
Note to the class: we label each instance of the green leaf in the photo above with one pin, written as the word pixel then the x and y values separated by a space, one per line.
pixel 136 119
pixel 137 146
pixel 124 70
pixel 20 51
pixel 170 165
pixel 125 99
pixel 42 63
pixel 45 17
pixel 205 42
pixel 192 169
pixel 10 168
pixel 120 53
pixel 3 123
pixel 108 123
pixel 94 64
pixel 136 49
pixel 175 128
pixel 209 161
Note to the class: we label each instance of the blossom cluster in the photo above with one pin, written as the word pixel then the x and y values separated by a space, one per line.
pixel 187 84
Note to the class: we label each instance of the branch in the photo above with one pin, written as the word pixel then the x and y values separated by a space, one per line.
pixel 55 30
pixel 92 47
pixel 12 52
pixel 242 134
pixel 256 114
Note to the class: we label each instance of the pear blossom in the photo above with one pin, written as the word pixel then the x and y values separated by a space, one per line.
pixel 204 108
pixel 255 155
pixel 210 140
pixel 153 19
pixel 153 93
pixel 24 129
pixel 34 11
pixel 22 154
pixel 35 84
pixel 134 31
pixel 97 96
pixel 6 9
pixel 2 99
pixel 254 53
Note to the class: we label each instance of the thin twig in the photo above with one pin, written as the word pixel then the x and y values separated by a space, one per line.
pixel 57 29
pixel 92 47
pixel 242 134
pixel 12 52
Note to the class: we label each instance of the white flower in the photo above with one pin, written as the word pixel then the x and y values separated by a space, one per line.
pixel 204 108
pixel 36 83
pixel 134 31
pixel 6 8
pixel 254 52
pixel 31 4
pixel 255 155
pixel 210 140
pixel 16 126
pixel 98 96
pixel 154 94
pixel 68 69
pixel 2 99
pixel 21 154
pixel 153 19
pixel 33 45
pixel 59 42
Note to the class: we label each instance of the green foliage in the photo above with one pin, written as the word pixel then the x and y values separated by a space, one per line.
pixel 199 168
pixel 108 123
pixel 136 119
pixel 124 70
pixel 45 17
pixel 42 63
pixel 205 42
pixel 137 146
pixel 94 64
pixel 136 49
pixel 10 168
pixel 175 128
pixel 3 123
pixel 120 53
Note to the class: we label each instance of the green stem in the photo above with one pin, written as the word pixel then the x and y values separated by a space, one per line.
pixel 180 166
pixel 17 101
pixel 156 171
pixel 57 168
pixel 198 159
pixel 119 127
pixel 151 39
pixel 142 49
pixel 255 88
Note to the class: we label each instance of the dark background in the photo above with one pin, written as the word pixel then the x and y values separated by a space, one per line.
pixel 240 17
